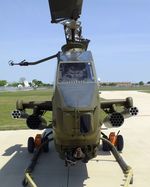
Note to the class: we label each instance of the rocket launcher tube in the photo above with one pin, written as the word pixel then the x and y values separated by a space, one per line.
pixel 115 119
pixel 133 111
pixel 16 114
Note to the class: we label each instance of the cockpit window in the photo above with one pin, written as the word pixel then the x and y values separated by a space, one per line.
pixel 75 72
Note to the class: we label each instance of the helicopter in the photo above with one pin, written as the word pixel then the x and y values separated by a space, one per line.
pixel 78 112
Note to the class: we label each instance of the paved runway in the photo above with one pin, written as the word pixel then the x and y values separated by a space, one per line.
pixel 103 171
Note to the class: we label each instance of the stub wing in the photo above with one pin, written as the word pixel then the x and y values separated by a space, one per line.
pixel 34 120
pixel 115 111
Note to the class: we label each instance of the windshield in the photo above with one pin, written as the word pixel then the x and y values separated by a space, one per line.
pixel 75 72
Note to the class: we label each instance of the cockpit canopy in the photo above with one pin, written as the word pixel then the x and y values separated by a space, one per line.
pixel 75 71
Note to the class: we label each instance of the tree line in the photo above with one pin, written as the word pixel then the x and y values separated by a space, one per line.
pixel 141 83
pixel 34 82
pixel 39 83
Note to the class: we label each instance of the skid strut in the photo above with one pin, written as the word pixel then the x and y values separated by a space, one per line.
pixel 127 170
pixel 28 180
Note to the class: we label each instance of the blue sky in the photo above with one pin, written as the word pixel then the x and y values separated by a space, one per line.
pixel 119 31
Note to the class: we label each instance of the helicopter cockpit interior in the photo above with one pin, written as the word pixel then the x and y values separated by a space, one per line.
pixel 74 72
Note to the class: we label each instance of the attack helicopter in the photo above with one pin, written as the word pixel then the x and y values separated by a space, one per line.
pixel 78 112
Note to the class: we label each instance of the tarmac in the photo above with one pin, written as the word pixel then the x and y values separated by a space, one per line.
pixel 102 171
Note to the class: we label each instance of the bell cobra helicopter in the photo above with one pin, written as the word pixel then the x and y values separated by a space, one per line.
pixel 78 112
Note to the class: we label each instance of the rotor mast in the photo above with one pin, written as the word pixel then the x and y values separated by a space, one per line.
pixel 67 12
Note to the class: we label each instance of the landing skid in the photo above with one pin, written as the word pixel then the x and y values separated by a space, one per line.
pixel 28 180
pixel 127 170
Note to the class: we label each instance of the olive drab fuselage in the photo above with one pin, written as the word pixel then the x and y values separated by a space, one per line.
pixel 76 104
pixel 77 110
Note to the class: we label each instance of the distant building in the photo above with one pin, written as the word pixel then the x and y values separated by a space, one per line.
pixel 123 84
pixel 117 84
pixel 20 86
pixel 26 84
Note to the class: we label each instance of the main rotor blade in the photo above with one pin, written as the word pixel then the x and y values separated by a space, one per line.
pixel 65 9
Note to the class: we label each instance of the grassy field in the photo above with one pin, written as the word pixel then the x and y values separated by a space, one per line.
pixel 7 105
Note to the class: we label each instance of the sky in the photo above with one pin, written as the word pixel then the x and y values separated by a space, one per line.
pixel 119 31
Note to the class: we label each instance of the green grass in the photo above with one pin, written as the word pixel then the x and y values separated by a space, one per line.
pixel 8 104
